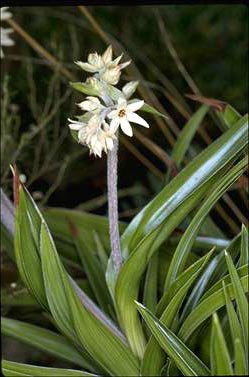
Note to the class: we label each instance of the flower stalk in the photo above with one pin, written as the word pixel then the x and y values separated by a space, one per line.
pixel 112 184
pixel 106 110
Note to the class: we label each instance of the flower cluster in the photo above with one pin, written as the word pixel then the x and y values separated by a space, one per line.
pixel 5 39
pixel 106 108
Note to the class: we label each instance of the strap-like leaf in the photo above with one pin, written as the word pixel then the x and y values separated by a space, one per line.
pixel 185 137
pixel 70 309
pixel 162 215
pixel 11 369
pixel 244 255
pixel 150 109
pixel 234 323
pixel 44 340
pixel 93 270
pixel 209 305
pixel 154 357
pixel 185 359
pixel 220 359
pixel 187 240
pixel 241 367
pixel 240 297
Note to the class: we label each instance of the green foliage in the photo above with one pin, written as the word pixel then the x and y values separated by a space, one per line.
pixel 102 332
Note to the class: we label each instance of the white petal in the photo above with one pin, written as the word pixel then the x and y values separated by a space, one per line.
pixel 111 76
pixel 113 114
pixel 122 102
pixel 75 125
pixel 115 62
pixel 96 60
pixel 5 14
pixel 114 124
pixel 123 65
pixel 87 67
pixel 134 106
pixel 107 55
pixel 126 127
pixel 132 117
pixel 93 99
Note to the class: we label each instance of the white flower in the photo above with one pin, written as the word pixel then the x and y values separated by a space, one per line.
pixel 96 134
pixel 108 70
pixel 5 39
pixel 124 114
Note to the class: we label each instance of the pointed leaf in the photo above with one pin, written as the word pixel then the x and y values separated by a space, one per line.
pixel 154 357
pixel 209 304
pixel 244 256
pixel 241 368
pixel 185 137
pixel 234 323
pixel 187 240
pixel 240 298
pixel 220 359
pixel 80 318
pixel 11 368
pixel 185 359
pixel 43 339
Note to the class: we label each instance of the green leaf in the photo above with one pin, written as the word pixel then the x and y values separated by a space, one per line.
pixel 150 284
pixel 240 298
pixel 185 137
pixel 185 359
pixel 89 225
pixel 129 277
pixel 149 109
pixel 200 287
pixel 234 323
pixel 27 248
pixel 84 88
pixel 56 281
pixel 241 368
pixel 73 311
pixel 154 358
pixel 209 304
pixel 229 116
pixel 11 368
pixel 93 270
pixel 162 215
pixel 43 339
pixel 244 255
pixel 187 240
pixel 199 171
pixel 220 359
pixel 203 242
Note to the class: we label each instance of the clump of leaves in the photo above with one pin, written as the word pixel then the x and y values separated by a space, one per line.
pixel 148 321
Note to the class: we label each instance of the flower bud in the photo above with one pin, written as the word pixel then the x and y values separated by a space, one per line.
pixel 130 88
pixel 111 76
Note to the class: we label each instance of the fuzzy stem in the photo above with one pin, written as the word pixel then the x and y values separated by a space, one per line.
pixel 112 180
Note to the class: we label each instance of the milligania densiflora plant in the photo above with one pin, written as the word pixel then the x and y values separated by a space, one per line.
pixel 107 108
pixel 177 287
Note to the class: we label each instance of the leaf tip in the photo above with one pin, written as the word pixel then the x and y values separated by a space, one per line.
pixel 16 184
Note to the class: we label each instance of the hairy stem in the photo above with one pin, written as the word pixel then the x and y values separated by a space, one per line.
pixel 112 180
